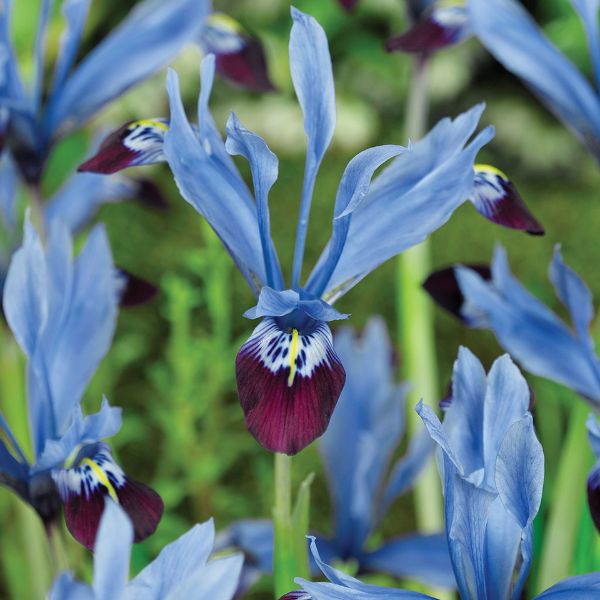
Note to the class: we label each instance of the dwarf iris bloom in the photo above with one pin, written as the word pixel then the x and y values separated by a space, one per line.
pixel 288 375
pixel 363 433
pixel 181 570
pixel 492 469
pixel 148 38
pixel 506 29
pixel 63 313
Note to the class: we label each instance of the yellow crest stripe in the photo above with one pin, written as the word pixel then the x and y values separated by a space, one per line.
pixel 101 475
pixel 293 355
pixel 481 168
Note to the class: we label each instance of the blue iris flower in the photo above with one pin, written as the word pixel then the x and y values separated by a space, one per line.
pixel 150 36
pixel 364 431
pixel 181 570
pixel 288 375
pixel 492 470
pixel 62 312
pixel 506 29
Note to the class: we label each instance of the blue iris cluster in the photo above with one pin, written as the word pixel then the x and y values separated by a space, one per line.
pixel 296 381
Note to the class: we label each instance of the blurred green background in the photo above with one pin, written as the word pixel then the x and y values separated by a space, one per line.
pixel 171 367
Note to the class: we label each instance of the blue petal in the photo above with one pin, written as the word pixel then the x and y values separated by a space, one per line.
pixel 254 537
pixel 64 335
pixel 175 563
pixel 581 587
pixel 369 414
pixel 353 188
pixel 78 201
pixel 588 10
pixel 575 295
pixel 66 588
pixel 205 183
pixel 11 88
pixel 408 468
pixel 75 14
pixel 39 52
pixel 112 552
pixel 312 75
pixel 274 303
pixel 82 430
pixel 343 586
pixel 421 557
pixel 527 329
pixel 149 37
pixel 8 196
pixel 264 166
pixel 594 434
pixel 510 34
pixel 413 197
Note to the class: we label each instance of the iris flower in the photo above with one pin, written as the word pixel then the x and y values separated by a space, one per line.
pixel 363 433
pixel 507 30
pixel 63 314
pixel 289 377
pixel 181 570
pixel 492 470
pixel 148 38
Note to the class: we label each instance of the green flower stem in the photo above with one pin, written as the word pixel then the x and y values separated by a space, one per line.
pixel 290 557
pixel 560 535
pixel 36 204
pixel 416 325
pixel 415 315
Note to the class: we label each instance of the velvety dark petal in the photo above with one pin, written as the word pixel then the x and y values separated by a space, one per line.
pixel 247 67
pixel 143 506
pixel 593 492
pixel 498 200
pixel 440 29
pixel 296 595
pixel 348 4
pixel 149 194
pixel 136 291
pixel 443 287
pixel 95 476
pixel 133 144
pixel 288 383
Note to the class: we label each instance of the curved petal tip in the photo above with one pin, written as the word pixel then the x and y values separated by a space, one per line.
pixel 288 382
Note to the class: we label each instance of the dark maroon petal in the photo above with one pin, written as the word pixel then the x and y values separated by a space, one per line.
pixel 425 36
pixel 288 383
pixel 348 4
pixel 149 194
pixel 593 491
pixel 443 287
pixel 137 291
pixel 82 515
pixel 135 143
pixel 247 67
pixel 296 595
pixel 143 505
pixel 497 199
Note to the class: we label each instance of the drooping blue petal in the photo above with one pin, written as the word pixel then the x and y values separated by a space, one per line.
pixel 363 432
pixel 411 198
pixel 149 37
pixel 532 333
pixel 312 76
pixel 81 430
pixel 343 586
pixel 423 558
pixel 205 183
pixel 510 34
pixel 581 587
pixel 274 303
pixel 112 552
pixel 264 166
pixel 353 187
pixel 80 198
pixel 588 10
